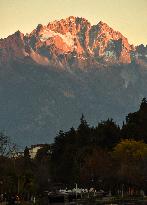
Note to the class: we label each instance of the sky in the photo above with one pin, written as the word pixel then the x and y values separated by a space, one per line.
pixel 127 16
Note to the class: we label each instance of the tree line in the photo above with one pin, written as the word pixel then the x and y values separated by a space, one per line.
pixel 105 156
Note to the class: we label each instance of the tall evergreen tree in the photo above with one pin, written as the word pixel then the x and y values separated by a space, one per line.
pixel 107 134
pixel 136 124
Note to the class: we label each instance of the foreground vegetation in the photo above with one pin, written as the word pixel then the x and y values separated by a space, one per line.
pixel 104 157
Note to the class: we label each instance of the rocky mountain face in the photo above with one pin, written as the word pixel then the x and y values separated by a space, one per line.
pixel 141 55
pixel 49 77
pixel 71 42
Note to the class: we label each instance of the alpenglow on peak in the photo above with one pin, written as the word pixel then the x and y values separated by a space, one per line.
pixel 69 43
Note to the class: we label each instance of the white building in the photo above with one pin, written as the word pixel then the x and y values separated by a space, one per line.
pixel 34 149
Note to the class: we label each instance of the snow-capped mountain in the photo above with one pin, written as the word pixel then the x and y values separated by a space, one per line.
pixel 71 42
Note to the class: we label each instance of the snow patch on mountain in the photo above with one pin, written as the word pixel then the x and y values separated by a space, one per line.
pixel 67 38
pixel 129 77
pixel 110 54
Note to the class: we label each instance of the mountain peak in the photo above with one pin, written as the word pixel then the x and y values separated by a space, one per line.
pixel 102 23
pixel 70 42
pixel 39 27
pixel 71 18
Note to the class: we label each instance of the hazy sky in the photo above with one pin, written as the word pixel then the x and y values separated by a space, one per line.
pixel 127 16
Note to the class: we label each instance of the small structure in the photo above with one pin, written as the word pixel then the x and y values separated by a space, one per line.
pixel 34 149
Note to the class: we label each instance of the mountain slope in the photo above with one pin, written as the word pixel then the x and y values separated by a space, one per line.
pixel 69 43
pixel 49 77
